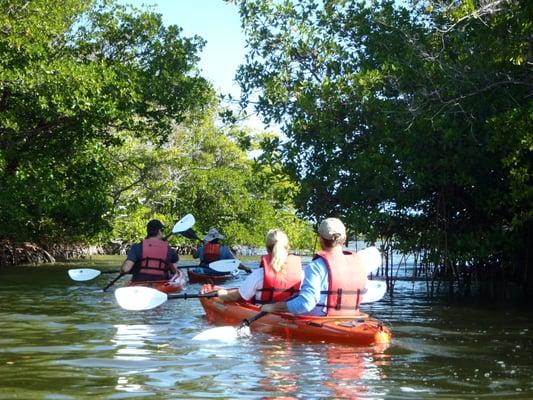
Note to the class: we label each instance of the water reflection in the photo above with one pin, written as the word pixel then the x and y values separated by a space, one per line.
pixel 132 341
pixel 63 341
pixel 352 371
pixel 292 370
pixel 278 377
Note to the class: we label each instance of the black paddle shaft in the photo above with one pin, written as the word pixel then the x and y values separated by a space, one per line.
pixel 250 321
pixel 112 282
pixel 186 296
pixel 190 234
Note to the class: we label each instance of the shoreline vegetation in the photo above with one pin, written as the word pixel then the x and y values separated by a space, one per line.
pixel 24 253
pixel 410 122
pixel 468 280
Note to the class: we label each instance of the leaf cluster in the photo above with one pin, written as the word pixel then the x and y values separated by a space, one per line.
pixel 411 122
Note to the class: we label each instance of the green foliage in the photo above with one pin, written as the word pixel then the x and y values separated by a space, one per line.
pixel 410 122
pixel 200 170
pixel 75 75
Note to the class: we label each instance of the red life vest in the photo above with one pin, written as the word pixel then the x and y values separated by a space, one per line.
pixel 154 253
pixel 280 287
pixel 347 280
pixel 211 253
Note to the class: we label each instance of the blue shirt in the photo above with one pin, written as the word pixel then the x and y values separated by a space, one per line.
pixel 225 254
pixel 315 281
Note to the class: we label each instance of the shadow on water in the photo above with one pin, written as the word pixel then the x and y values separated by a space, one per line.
pixel 68 340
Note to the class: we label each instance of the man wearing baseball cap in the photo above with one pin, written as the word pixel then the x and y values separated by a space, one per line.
pixel 152 259
pixel 333 281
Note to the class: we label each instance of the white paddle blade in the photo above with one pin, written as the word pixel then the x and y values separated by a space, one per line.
pixel 375 290
pixel 371 259
pixel 83 274
pixel 223 334
pixel 225 265
pixel 183 224
pixel 137 298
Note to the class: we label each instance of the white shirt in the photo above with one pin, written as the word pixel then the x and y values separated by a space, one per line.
pixel 252 284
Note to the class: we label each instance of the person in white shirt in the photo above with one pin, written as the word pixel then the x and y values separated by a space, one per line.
pixel 278 278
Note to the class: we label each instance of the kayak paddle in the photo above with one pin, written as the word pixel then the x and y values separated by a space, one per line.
pixel 374 291
pixel 86 274
pixel 190 234
pixel 120 275
pixel 230 333
pixel 137 298
pixel 371 258
pixel 229 265
pixel 182 225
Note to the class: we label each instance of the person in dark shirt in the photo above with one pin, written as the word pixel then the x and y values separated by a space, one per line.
pixel 151 259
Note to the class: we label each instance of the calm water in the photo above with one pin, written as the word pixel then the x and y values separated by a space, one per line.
pixel 67 340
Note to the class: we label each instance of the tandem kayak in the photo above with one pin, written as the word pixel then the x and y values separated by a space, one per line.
pixel 198 277
pixel 360 330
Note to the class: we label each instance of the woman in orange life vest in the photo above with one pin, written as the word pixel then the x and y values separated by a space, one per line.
pixel 334 280
pixel 152 259
pixel 277 280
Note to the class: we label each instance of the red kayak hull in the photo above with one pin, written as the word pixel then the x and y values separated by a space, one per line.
pixel 163 286
pixel 195 277
pixel 360 330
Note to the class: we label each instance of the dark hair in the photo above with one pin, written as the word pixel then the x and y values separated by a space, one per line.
pixel 153 227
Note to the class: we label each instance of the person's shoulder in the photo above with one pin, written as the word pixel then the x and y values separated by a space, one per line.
pixel 317 263
pixel 136 246
pixel 134 252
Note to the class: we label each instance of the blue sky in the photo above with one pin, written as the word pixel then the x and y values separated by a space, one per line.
pixel 215 21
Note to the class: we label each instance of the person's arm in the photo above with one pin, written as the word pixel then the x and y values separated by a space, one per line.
pixel 126 267
pixel 309 295
pixel 227 254
pixel 252 284
pixel 173 268
pixel 130 261
pixel 197 253
pixel 174 259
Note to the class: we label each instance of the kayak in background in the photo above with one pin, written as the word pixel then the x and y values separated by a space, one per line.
pixel 173 285
pixel 360 330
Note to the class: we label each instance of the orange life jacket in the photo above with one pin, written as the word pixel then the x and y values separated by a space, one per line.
pixel 211 253
pixel 154 253
pixel 347 280
pixel 280 287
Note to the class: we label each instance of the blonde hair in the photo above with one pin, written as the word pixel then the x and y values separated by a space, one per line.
pixel 277 243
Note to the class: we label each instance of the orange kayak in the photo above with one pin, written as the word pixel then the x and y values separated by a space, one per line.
pixel 163 286
pixel 360 330
pixel 197 277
